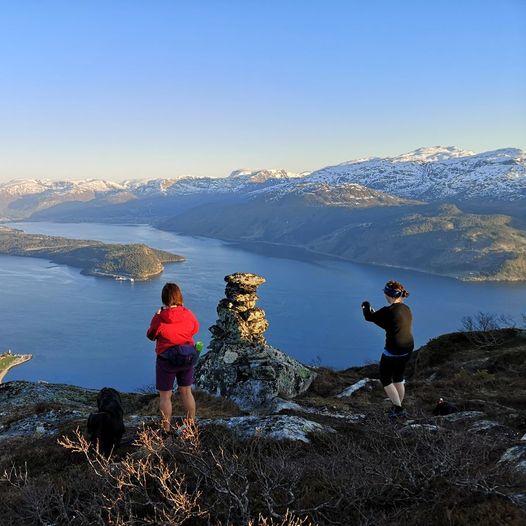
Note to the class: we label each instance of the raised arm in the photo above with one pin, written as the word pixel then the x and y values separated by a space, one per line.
pixel 376 317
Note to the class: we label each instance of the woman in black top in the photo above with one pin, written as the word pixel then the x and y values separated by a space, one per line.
pixel 396 319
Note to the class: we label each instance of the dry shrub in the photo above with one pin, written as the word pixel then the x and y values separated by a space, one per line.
pixel 390 477
pixel 375 473
pixel 288 520
pixel 26 500
pixel 145 487
pixel 484 329
pixel 178 480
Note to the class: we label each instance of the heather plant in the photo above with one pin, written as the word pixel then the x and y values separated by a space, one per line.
pixel 372 473
pixel 484 328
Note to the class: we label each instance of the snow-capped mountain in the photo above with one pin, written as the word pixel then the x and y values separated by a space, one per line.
pixel 432 154
pixel 21 198
pixel 261 176
pixel 426 174
pixel 22 187
pixel 236 181
pixel 436 173
pixel 351 195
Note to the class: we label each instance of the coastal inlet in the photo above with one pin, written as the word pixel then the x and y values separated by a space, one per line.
pixel 132 262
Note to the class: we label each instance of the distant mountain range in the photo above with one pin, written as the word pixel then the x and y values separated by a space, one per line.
pixel 376 210
pixel 20 198
pixel 426 174
pixel 437 173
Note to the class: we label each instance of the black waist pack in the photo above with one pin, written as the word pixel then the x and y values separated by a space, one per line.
pixel 180 355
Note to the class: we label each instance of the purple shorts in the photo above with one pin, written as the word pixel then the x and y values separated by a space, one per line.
pixel 166 373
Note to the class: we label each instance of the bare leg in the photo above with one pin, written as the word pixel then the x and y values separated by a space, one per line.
pixel 400 387
pixel 188 401
pixel 392 393
pixel 165 405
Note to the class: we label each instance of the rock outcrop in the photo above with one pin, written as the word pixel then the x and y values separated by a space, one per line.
pixel 516 458
pixel 240 364
pixel 38 408
pixel 31 410
pixel 365 383
pixel 275 427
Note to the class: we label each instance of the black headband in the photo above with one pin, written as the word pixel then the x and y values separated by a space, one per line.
pixel 392 293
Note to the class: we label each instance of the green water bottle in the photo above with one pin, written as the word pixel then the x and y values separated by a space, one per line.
pixel 199 346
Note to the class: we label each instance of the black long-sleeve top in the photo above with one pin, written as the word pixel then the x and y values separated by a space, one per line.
pixel 396 320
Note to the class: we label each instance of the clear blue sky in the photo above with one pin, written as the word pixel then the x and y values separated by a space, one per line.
pixel 124 89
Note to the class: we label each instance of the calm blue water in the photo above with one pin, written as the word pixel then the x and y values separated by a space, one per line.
pixel 91 331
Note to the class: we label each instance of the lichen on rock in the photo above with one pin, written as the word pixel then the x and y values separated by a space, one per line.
pixel 240 364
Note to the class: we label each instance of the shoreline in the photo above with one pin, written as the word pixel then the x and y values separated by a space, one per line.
pixel 244 244
pixel 17 360
pixel 89 265
pixel 464 278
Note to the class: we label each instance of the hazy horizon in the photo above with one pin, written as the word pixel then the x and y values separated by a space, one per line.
pixel 120 180
pixel 142 91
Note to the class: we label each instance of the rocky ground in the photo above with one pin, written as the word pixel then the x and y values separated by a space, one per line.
pixel 487 384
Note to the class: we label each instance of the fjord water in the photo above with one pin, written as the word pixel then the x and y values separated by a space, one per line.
pixel 90 331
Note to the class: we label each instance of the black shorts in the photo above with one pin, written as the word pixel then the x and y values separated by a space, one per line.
pixel 392 368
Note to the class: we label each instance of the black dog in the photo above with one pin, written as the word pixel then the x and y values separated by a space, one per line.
pixel 106 427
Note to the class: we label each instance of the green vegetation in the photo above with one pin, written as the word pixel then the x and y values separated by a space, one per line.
pixel 446 241
pixel 9 360
pixel 6 360
pixel 438 239
pixel 134 261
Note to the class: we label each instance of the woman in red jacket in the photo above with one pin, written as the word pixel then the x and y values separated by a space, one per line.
pixel 173 327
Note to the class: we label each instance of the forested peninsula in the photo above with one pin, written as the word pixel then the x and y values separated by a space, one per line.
pixel 8 360
pixel 136 262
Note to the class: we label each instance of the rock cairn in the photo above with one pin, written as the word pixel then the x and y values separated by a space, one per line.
pixel 240 322
pixel 240 364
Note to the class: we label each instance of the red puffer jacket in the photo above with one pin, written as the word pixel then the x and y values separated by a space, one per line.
pixel 172 326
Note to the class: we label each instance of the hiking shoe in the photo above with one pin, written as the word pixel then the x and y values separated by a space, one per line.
pixel 396 412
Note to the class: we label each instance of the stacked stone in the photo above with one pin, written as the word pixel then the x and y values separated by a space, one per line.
pixel 239 321
pixel 240 364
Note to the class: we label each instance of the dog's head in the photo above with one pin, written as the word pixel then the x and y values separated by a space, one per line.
pixel 109 401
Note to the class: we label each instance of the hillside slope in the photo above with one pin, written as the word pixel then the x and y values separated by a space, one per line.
pixel 432 238
pixel 358 467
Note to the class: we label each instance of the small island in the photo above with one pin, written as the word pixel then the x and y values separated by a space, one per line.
pixel 8 360
pixel 131 262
